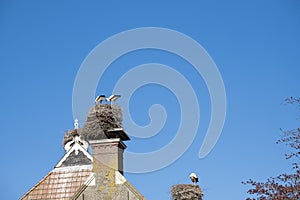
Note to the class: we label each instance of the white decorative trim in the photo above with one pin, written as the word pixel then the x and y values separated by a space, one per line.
pixel 76 147
pixel 91 180
pixel 77 139
pixel 76 124
pixel 72 168
pixel 108 141
pixel 119 178
pixel 105 140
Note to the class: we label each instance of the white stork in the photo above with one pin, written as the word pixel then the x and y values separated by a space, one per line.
pixel 100 98
pixel 113 98
pixel 194 178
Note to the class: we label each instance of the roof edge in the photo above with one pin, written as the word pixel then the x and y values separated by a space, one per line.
pixel 84 186
pixel 36 185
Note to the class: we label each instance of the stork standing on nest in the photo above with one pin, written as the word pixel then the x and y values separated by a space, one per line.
pixel 194 178
pixel 100 99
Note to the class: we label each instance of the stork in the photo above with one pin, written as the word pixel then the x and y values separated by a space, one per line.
pixel 194 178
pixel 100 98
pixel 113 98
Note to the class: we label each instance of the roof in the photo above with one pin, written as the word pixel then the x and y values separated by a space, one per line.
pixel 80 175
pixel 68 176
pixel 61 183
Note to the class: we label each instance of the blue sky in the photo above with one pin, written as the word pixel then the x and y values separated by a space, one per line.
pixel 255 45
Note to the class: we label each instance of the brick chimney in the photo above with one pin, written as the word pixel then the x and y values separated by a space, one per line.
pixel 110 151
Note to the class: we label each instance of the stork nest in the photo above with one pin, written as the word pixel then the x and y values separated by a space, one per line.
pixel 186 192
pixel 69 135
pixel 101 117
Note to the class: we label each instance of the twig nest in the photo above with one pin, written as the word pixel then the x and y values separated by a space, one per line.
pixel 101 117
pixel 186 192
pixel 69 135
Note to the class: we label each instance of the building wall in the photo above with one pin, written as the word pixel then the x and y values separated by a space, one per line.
pixel 108 184
pixel 116 193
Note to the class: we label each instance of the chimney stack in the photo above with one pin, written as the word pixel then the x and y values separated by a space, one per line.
pixel 103 130
pixel 109 152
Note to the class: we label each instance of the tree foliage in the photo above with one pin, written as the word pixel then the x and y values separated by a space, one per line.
pixel 286 186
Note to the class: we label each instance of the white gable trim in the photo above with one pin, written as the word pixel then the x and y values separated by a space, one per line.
pixel 91 181
pixel 76 147
pixel 72 168
pixel 119 178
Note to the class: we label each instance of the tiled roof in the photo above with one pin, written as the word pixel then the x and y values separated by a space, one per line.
pixel 59 184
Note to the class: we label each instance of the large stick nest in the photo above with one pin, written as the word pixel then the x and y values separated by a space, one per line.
pixel 101 117
pixel 186 192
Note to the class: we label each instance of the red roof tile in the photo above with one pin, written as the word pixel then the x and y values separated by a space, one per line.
pixel 59 184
